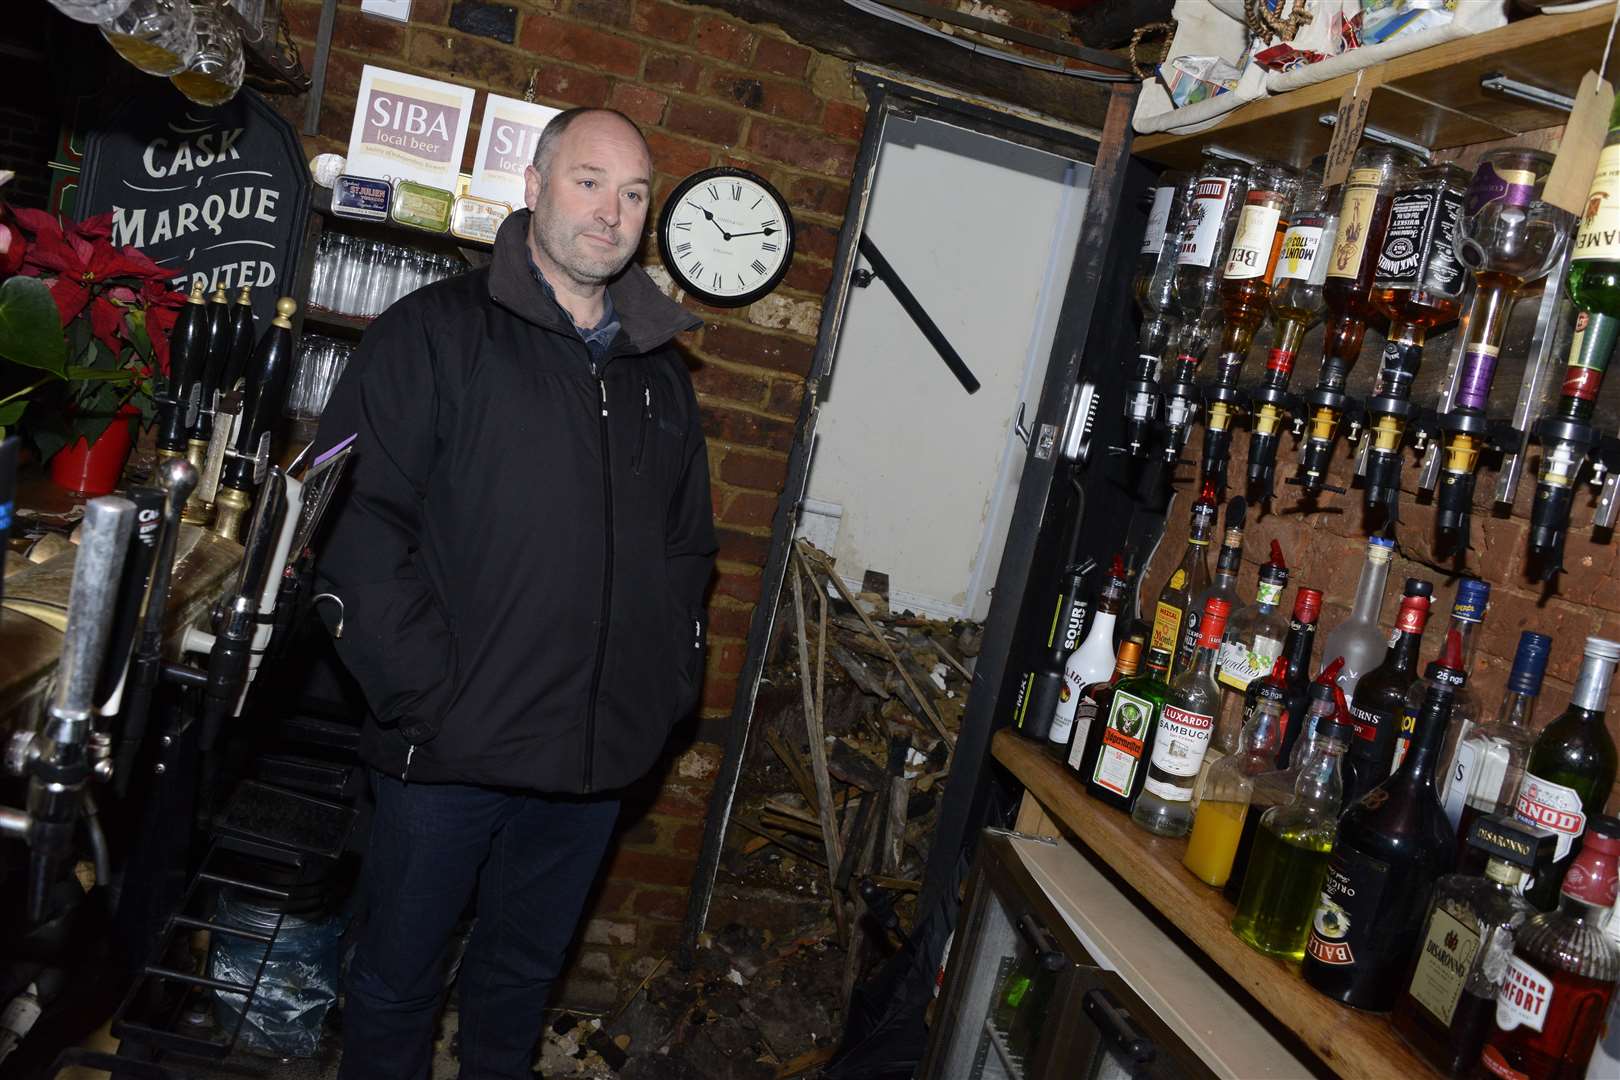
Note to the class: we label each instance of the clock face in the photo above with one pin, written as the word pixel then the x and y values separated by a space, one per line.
pixel 726 236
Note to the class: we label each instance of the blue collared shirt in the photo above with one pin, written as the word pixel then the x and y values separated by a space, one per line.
pixel 599 338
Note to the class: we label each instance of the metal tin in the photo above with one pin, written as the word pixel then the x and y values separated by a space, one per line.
pixel 477 219
pixel 422 207
pixel 362 197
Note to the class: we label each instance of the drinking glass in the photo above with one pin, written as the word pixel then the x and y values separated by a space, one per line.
pixel 156 36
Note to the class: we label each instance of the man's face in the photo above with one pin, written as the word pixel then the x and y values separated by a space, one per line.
pixel 588 212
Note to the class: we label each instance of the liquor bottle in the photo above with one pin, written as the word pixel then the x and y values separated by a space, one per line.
pixel 1509 239
pixel 1467 612
pixel 188 353
pixel 1227 564
pixel 1561 977
pixel 1189 578
pixel 1251 262
pixel 1358 639
pixel 1185 725
pixel 1130 623
pixel 1206 236
pixel 1093 660
pixel 1125 739
pixel 1154 288
pixel 1293 850
pixel 1254 641
pixel 1380 697
pixel 1296 306
pixel 1594 289
pixel 1605 1061
pixel 1448 1008
pixel 1225 789
pixel 1326 706
pixel 1571 767
pixel 1418 286
pixel 1487 764
pixel 1095 701
pixel 1297 650
pixel 1393 843
pixel 1036 706
pixel 1347 291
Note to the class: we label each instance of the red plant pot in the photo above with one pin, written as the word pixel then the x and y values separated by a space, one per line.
pixel 94 469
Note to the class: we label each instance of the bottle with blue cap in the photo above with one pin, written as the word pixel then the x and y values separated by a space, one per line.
pixel 1486 763
pixel 1358 639
pixel 1467 612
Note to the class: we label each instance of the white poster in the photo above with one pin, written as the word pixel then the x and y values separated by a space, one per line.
pixel 506 140
pixel 409 128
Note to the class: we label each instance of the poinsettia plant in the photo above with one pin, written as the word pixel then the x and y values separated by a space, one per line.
pixel 92 320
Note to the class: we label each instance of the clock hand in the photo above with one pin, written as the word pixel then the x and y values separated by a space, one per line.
pixel 758 232
pixel 710 216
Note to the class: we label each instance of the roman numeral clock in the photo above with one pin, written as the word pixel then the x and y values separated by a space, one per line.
pixel 726 236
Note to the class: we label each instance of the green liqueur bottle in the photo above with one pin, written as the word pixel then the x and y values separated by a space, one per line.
pixel 1571 768
pixel 1115 766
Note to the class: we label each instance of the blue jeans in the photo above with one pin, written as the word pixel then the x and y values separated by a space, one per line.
pixel 532 859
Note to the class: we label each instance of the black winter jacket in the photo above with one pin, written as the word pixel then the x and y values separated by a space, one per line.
pixel 524 538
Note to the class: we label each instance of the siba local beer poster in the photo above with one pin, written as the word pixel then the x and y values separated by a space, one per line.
pixel 409 128
pixel 506 140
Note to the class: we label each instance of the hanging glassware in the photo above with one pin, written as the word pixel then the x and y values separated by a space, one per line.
pixel 90 11
pixel 214 73
pixel 156 36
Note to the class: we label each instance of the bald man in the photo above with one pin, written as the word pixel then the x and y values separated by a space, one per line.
pixel 522 555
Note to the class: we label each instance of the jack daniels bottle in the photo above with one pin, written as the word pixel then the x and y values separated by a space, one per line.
pixel 1392 844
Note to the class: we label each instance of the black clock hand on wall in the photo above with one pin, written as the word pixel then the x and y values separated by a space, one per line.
pixel 758 232
pixel 710 216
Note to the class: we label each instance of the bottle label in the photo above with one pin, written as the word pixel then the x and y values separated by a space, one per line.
pixel 1398 368
pixel 1478 369
pixel 1355 221
pixel 1300 246
pixel 1254 246
pixel 1122 742
pixel 1412 617
pixel 1206 214
pixel 1242 664
pixel 1364 723
pixel 1524 998
pixel 1166 628
pixel 1588 357
pixel 1346 915
pixel 1599 234
pixel 1512 187
pixel 1281 361
pixel 1443 963
pixel 1158 220
pixel 1084 715
pixel 1459 780
pixel 1268 593
pixel 1552 806
pixel 1417 251
pixel 1179 749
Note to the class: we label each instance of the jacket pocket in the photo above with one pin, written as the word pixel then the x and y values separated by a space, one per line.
pixel 690 647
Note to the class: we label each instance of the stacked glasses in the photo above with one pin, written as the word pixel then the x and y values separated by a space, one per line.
pixel 361 278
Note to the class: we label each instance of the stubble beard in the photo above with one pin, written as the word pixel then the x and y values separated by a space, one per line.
pixel 567 248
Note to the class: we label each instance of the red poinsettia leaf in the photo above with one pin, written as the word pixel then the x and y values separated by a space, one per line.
pixel 43 225
pixel 142 266
pixel 121 294
pixel 70 297
pixel 159 325
pixel 95 228
pixel 50 250
pixel 107 323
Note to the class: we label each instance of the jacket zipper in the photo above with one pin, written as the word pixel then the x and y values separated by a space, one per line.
pixel 646 419
pixel 607 580
pixel 405 773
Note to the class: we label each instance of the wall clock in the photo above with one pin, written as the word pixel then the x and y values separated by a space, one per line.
pixel 726 236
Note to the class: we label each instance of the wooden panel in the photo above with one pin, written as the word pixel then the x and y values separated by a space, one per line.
pixel 1352 1043
pixel 1432 96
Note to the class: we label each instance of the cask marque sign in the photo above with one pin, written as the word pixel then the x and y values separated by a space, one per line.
pixel 221 194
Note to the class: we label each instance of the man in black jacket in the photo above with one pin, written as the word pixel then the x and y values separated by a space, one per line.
pixel 521 557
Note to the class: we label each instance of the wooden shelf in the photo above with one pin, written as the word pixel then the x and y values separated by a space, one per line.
pixel 349 325
pixel 443 243
pixel 1432 97
pixel 1351 1043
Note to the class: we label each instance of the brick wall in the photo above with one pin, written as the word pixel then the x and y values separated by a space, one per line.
pixel 707 89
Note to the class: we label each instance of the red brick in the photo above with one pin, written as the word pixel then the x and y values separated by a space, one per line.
pixel 715 381
pixel 679 802
pixel 550 37
pixel 719 695
pixel 753 471
pixel 844 121
pixel 802 149
pixel 638 103
pixel 744 346
pixel 730 621
pixel 612 897
pixel 602 12
pixel 643 833
pixel 343 71
pixel 819 194
pixel 808 275
pixel 729 658
pixel 745 428
pixel 665 22
pixel 686 840
pixel 815 240
pixel 659 904
pixel 677 156
pixel 786 397
pixel 337 117
pixel 722 39
pixel 738 586
pixel 648 868
pixel 698 120
pixel 755 508
pixel 781 57
pixel 303 18
pixel 353 29
pixel 570 86
pixel 672 69
pixel 1569 624
pixel 744 547
pixel 430 12
pixel 472 60
pixel 773 97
